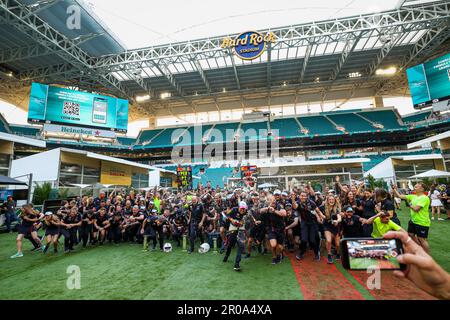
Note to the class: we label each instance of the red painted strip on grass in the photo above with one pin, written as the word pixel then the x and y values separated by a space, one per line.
pixel 321 281
pixel 392 288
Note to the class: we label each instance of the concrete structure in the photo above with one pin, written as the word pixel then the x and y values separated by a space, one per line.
pixel 65 167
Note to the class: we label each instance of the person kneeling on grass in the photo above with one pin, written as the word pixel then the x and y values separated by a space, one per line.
pixel 382 224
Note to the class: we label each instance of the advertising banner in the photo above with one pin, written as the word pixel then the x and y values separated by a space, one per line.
pixel 77 130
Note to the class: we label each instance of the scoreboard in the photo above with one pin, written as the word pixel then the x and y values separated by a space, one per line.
pixel 184 177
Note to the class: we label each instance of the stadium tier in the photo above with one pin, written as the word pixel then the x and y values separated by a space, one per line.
pixel 416 117
pixel 340 123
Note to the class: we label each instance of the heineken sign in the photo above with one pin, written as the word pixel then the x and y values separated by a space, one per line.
pixel 79 131
pixel 249 45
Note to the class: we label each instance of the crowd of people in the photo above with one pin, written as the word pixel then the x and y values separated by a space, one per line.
pixel 270 222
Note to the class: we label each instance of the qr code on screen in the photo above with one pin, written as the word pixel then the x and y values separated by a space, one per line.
pixel 71 108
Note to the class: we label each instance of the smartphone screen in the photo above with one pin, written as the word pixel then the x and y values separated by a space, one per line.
pixel 99 110
pixel 360 254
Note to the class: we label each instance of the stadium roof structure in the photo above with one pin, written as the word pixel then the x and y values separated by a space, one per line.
pixel 309 62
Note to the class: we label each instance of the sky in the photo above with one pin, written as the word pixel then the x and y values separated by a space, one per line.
pixel 140 23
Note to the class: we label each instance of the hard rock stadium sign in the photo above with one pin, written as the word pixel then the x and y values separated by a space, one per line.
pixel 249 45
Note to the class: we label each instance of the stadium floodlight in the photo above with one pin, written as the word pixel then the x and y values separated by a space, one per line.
pixel 386 72
pixel 165 95
pixel 143 98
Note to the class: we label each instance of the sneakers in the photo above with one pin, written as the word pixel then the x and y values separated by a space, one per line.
pixel 440 219
pixel 17 255
pixel 317 257
pixel 329 259
pixel 299 257
pixel 225 259
pixel 237 267
pixel 432 218
pixel 279 257
pixel 338 257
pixel 274 261
pixel 247 256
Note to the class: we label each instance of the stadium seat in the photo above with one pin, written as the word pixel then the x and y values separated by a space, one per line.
pixel 260 130
pixel 388 118
pixel 222 129
pixel 287 128
pixel 318 125
pixel 126 141
pixel 352 123
pixel 416 117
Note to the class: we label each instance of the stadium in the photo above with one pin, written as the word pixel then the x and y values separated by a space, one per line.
pixel 357 98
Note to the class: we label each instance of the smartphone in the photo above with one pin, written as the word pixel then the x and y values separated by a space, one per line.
pixel 362 253
pixel 99 110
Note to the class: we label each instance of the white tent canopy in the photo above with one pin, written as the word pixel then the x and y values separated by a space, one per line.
pixel 267 185
pixel 432 174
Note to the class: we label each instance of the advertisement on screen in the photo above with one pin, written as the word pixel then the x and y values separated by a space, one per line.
pixel 62 106
pixel 429 83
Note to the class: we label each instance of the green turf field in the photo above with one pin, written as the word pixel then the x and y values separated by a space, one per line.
pixel 126 272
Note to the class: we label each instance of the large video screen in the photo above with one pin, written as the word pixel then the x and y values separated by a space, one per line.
pixel 49 104
pixel 430 82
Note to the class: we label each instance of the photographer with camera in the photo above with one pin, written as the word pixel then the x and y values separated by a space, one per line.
pixel 9 209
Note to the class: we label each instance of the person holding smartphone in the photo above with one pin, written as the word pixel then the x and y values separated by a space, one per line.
pixel 421 269
pixel 420 222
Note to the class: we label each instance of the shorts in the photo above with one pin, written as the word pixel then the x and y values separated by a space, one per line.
pixel 330 228
pixel 277 235
pixel 52 231
pixel 418 230
pixel 257 232
pixel 25 230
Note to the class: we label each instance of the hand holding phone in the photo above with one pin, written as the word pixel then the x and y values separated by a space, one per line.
pixel 362 253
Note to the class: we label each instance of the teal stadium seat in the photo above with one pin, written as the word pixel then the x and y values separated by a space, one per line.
pixel 126 141
pixel 388 118
pixel 318 125
pixel 416 117
pixel 222 128
pixel 260 131
pixel 352 123
pixel 287 128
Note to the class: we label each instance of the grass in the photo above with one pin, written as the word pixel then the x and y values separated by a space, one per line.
pixel 126 272
pixel 437 237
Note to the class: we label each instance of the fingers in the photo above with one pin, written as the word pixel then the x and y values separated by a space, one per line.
pixel 399 274
pixel 403 236
pixel 418 260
